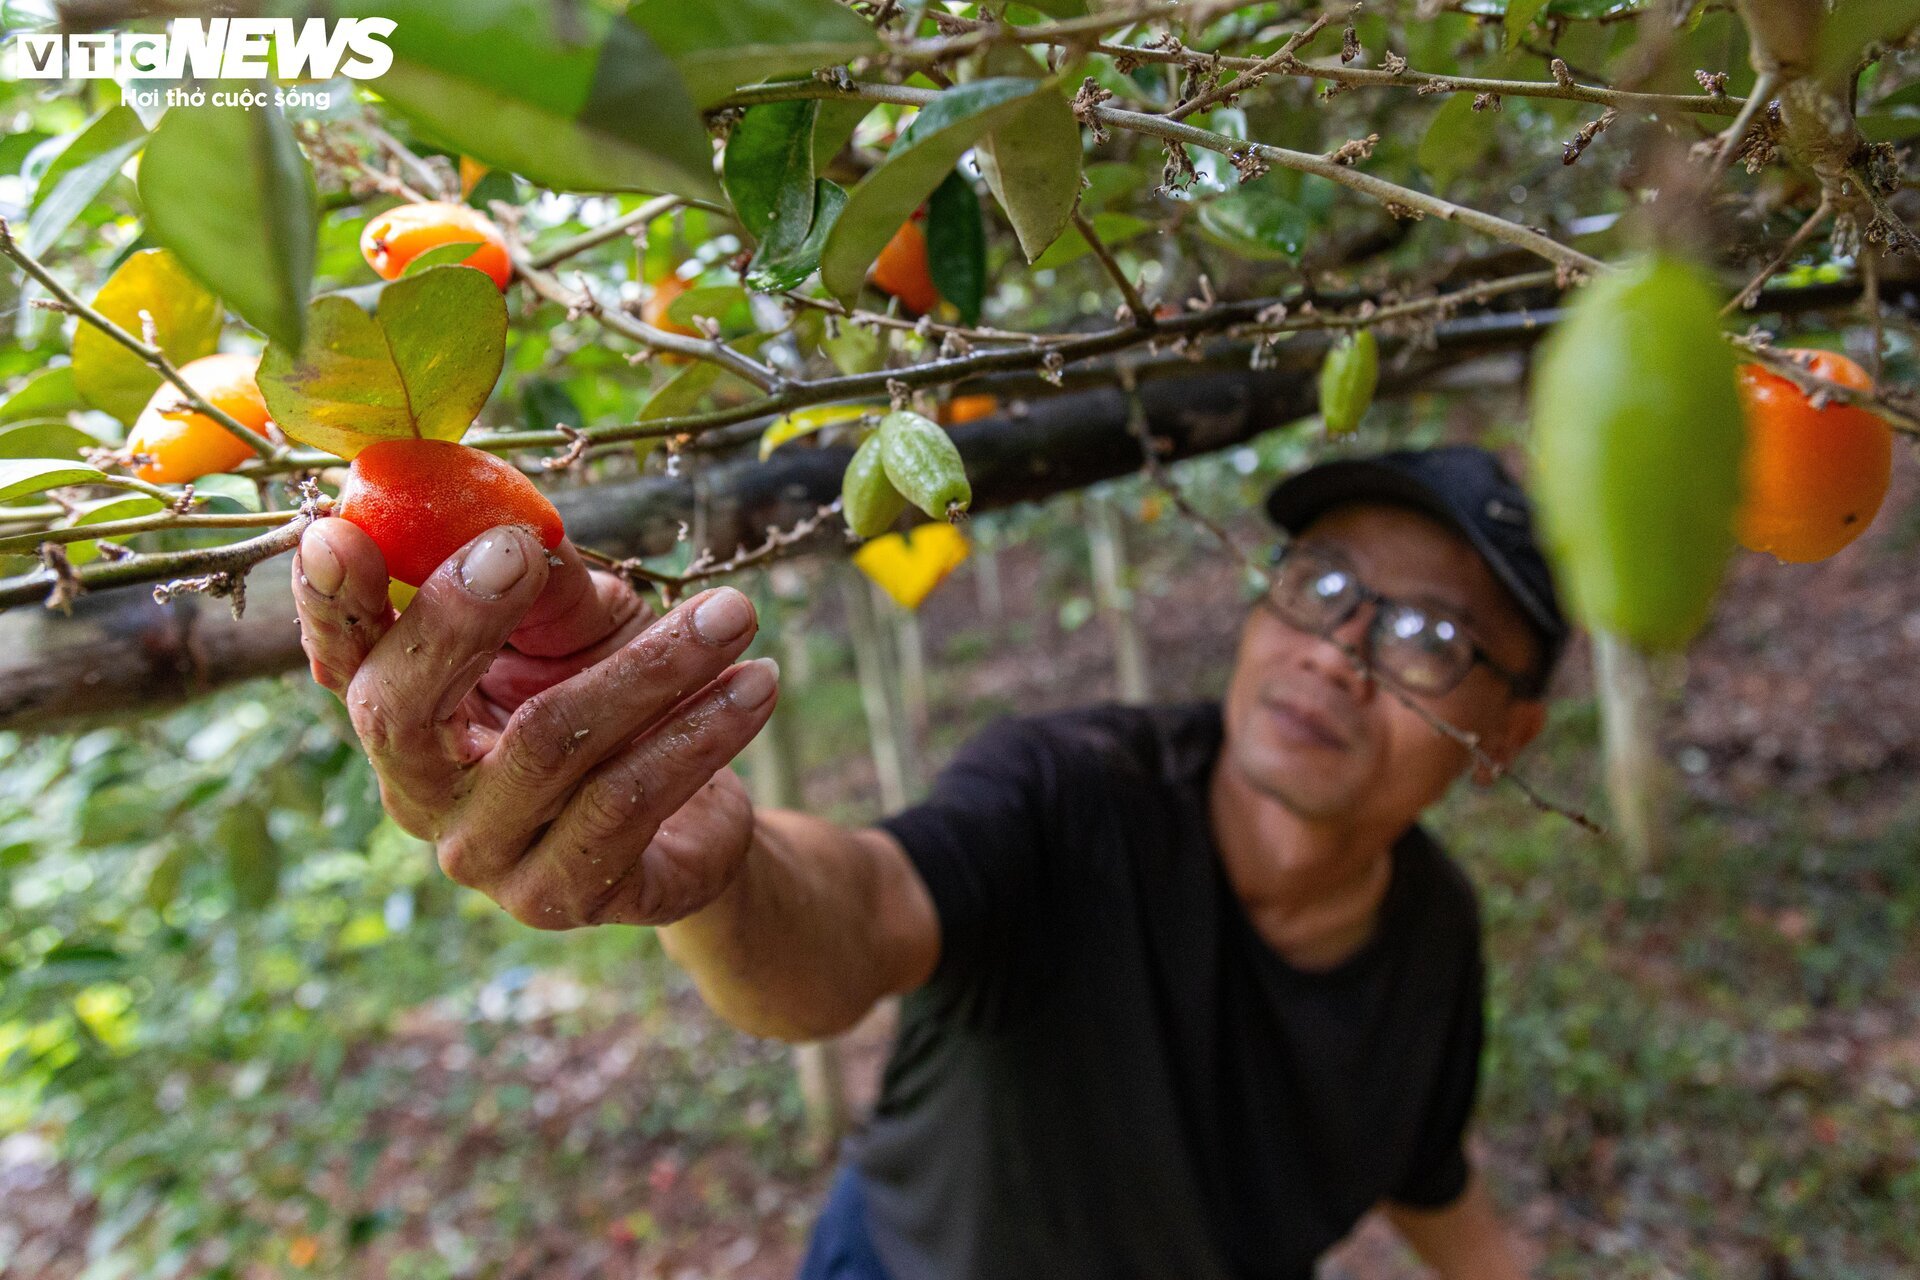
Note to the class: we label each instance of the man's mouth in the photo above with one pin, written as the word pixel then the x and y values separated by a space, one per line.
pixel 1302 726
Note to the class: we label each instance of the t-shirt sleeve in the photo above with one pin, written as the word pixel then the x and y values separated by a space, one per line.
pixel 1438 1172
pixel 977 842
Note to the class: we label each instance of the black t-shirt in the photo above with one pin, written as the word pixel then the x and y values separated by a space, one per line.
pixel 1110 1073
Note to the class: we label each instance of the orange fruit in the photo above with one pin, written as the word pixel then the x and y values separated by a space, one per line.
pixel 422 500
pixel 968 408
pixel 1813 478
pixel 185 444
pixel 901 269
pixel 395 238
pixel 654 312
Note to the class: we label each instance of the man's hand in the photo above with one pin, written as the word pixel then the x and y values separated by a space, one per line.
pixel 576 777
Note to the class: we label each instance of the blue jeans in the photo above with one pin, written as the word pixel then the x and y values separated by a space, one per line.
pixel 840 1249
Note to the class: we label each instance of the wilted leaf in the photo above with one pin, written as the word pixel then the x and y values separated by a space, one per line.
pixel 909 565
pixel 804 422
pixel 186 325
pixel 392 374
pixel 229 192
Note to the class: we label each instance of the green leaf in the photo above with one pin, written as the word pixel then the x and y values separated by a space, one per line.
pixel 720 47
pixel 779 264
pixel 833 126
pixel 1058 8
pixel 1112 228
pixel 253 857
pixel 1455 141
pixel 122 508
pixel 229 192
pixel 1853 25
pixel 575 99
pixel 957 245
pixel 49 392
pixel 395 373
pixel 1520 16
pixel 445 255
pixel 22 476
pixel 80 173
pixel 1256 221
pixel 922 157
pixel 186 325
pixel 768 167
pixel 725 303
pixel 1032 162
pixel 44 438
pixel 544 402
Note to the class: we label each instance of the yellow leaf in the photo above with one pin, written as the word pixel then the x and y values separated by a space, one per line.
pixel 401 594
pixel 471 171
pixel 804 422
pixel 908 566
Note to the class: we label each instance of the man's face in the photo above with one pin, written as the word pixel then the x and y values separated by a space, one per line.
pixel 1308 729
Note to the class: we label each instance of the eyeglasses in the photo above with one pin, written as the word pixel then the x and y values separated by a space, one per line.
pixel 1421 649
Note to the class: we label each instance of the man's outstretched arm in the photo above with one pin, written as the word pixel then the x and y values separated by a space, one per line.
pixel 1464 1240
pixel 566 754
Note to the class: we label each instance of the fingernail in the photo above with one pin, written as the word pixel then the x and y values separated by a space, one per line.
pixel 725 615
pixel 496 562
pixel 318 564
pixel 755 684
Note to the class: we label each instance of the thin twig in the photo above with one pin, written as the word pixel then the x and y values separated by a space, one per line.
pixel 1137 309
pixel 584 301
pixel 1780 259
pixel 1250 77
pixel 24 543
pixel 704 567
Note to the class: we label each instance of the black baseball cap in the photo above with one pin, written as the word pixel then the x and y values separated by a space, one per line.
pixel 1464 487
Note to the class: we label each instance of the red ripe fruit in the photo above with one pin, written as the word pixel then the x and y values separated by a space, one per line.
pixel 422 500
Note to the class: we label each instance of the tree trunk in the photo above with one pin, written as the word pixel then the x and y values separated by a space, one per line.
pixel 1107 547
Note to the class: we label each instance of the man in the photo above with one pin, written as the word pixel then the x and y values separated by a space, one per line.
pixel 1187 989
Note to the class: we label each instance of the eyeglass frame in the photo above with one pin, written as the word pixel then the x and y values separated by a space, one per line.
pixel 1526 685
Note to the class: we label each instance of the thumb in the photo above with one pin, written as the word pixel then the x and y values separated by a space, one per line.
pixel 577 610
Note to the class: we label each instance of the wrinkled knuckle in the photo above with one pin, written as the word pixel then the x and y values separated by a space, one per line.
pixel 534 909
pixel 606 810
pixel 538 736
pixel 460 860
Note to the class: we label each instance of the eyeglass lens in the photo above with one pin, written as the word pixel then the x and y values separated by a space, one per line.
pixel 1413 647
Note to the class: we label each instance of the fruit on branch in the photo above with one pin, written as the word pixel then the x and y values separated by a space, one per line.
pixel 655 311
pixel 393 239
pixel 868 500
pixel 1348 377
pixel 185 444
pixel 923 464
pixel 968 409
pixel 901 269
pixel 1637 441
pixel 422 500
pixel 1813 478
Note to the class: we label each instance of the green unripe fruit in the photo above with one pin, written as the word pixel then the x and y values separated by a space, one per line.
pixel 924 465
pixel 1637 440
pixel 1347 379
pixel 868 499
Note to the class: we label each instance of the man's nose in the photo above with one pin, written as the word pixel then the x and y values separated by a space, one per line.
pixel 1345 655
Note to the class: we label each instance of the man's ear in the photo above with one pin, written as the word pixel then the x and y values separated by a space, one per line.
pixel 1524 719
